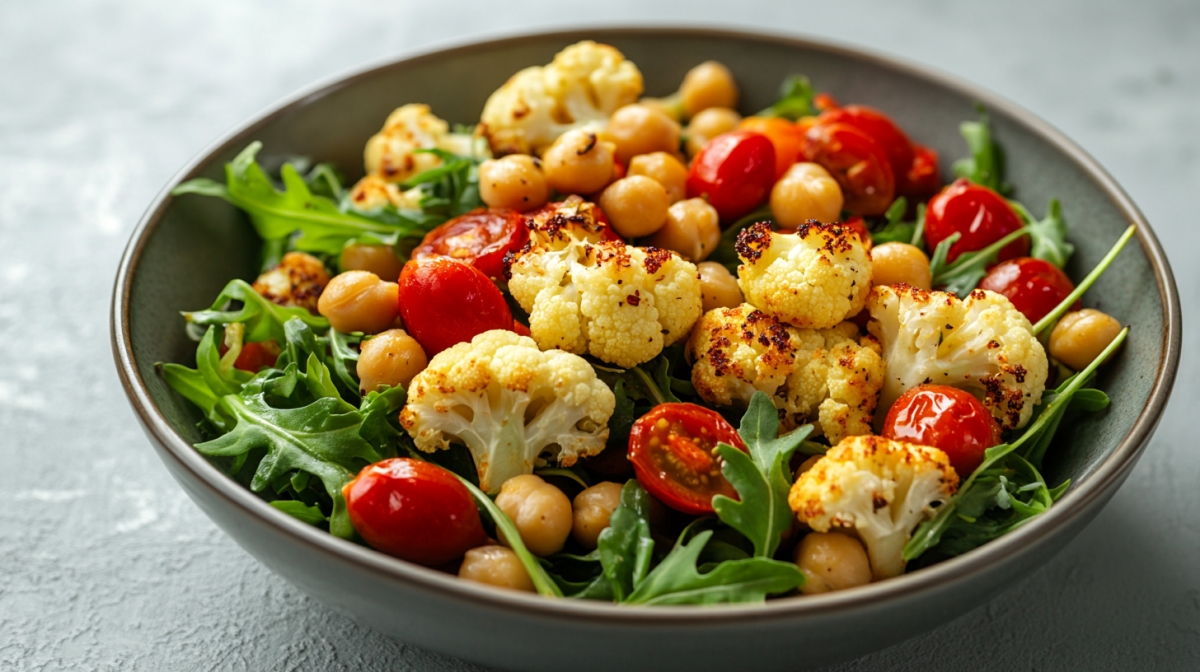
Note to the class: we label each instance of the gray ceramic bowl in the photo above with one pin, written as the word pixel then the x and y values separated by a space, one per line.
pixel 184 250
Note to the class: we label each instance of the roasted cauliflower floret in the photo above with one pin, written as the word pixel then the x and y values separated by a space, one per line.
pixel 981 344
pixel 298 281
pixel 878 488
pixel 373 192
pixel 391 153
pixel 831 376
pixel 813 278
pixel 587 292
pixel 584 84
pixel 509 403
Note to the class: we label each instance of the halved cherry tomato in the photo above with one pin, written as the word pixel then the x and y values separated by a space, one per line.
pixel 414 510
pixel 1034 286
pixel 481 238
pixel 520 329
pixel 785 136
pixel 857 162
pixel 923 178
pixel 734 172
pixel 981 215
pixel 946 418
pixel 914 166
pixel 671 448
pixel 255 356
pixel 444 302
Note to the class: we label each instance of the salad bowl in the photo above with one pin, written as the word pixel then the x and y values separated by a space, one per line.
pixel 184 250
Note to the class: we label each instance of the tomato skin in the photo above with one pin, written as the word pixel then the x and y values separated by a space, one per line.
pixel 414 510
pixel 914 166
pixel 255 357
pixel 923 178
pixel 699 424
pixel 444 302
pixel 1034 286
pixel 481 238
pixel 946 418
pixel 786 137
pixel 734 172
pixel 857 162
pixel 981 215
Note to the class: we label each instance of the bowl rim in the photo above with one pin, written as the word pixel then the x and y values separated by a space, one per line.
pixel 1088 492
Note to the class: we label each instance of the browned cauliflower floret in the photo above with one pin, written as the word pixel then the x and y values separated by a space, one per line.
pixel 298 281
pixel 831 376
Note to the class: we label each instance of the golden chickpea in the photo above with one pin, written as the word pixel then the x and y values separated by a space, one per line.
pixel 664 168
pixel 579 162
pixel 893 263
pixel 515 182
pixel 593 507
pixel 541 512
pixel 392 358
pixel 806 191
pixel 708 85
pixel 641 129
pixel 496 566
pixel 709 124
pixel 1080 336
pixel 832 561
pixel 693 229
pixel 378 259
pixel 360 301
pixel 718 287
pixel 636 206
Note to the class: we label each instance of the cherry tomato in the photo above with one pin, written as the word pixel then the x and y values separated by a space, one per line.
pixel 857 162
pixel 671 448
pixel 882 130
pixel 414 510
pixel 444 302
pixel 1034 286
pixel 734 172
pixel 981 215
pixel 946 418
pixel 254 356
pixel 923 179
pixel 786 137
pixel 481 238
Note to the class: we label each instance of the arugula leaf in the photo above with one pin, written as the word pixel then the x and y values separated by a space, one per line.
pixel 263 319
pixel 1047 237
pixel 190 384
pixel 451 189
pixel 795 99
pixel 625 546
pixel 300 511
pixel 380 421
pixel 962 276
pixel 985 166
pixel 761 478
pixel 896 230
pixel 677 580
pixel 1051 318
pixel 341 354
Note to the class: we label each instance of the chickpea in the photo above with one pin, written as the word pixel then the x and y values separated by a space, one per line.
pixel 1080 336
pixel 718 287
pixel 541 512
pixel 708 85
pixel 378 259
pixel 664 168
pixel 641 129
pixel 808 464
pixel 709 124
pixel 579 162
pixel 360 301
pixel 392 358
pixel 806 191
pixel 893 263
pixel 636 206
pixel 832 561
pixel 515 182
pixel 593 507
pixel 496 566
pixel 693 229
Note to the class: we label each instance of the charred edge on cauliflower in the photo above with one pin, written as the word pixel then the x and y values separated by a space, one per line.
pixel 753 241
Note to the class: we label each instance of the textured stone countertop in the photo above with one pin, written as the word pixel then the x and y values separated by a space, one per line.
pixel 106 565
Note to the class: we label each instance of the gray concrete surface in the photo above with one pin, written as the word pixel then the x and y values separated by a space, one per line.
pixel 106 565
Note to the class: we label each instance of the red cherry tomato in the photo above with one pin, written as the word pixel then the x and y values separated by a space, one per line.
pixel 481 238
pixel 981 215
pixel 254 356
pixel 444 302
pixel 414 510
pixel 946 418
pixel 857 162
pixel 786 137
pixel 923 178
pixel 734 172
pixel 915 167
pixel 520 329
pixel 671 448
pixel 1034 286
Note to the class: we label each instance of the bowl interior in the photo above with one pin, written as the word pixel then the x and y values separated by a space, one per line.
pixel 189 247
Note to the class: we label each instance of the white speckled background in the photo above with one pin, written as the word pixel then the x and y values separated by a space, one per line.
pixel 106 565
